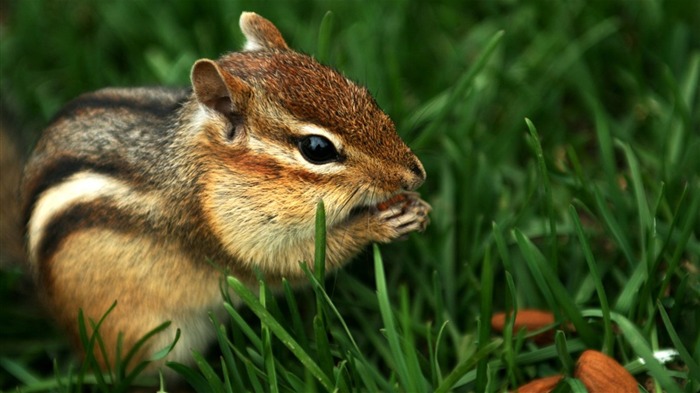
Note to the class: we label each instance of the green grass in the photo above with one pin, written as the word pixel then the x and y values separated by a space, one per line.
pixel 561 143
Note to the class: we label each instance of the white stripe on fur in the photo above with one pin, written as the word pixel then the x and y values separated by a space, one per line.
pixel 81 187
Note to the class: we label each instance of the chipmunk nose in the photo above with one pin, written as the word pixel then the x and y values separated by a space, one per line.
pixel 414 177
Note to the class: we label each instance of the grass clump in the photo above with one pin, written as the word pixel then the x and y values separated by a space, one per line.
pixel 560 142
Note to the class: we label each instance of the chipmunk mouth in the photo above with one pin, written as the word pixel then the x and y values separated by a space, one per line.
pixel 379 204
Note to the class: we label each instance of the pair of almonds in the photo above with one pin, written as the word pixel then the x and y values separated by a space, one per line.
pixel 598 372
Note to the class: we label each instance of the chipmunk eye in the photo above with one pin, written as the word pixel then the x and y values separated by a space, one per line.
pixel 317 149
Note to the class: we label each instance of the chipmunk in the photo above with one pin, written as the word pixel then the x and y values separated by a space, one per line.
pixel 136 195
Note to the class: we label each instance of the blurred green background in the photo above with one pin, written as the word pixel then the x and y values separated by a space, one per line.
pixel 610 86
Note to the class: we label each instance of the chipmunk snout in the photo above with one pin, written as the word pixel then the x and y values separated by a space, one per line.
pixel 414 177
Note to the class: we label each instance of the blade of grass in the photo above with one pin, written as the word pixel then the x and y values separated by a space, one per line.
pixel 316 285
pixel 299 385
pixel 597 280
pixel 563 352
pixel 688 227
pixel 115 374
pixel 575 385
pixel 392 334
pixel 497 234
pixel 531 257
pixel 19 371
pixel 432 356
pixel 323 350
pixel 297 324
pixel 265 317
pixel 319 323
pixel 163 352
pixel 268 356
pixel 320 244
pixel 195 379
pixel 214 384
pixel 629 295
pixel 254 378
pixel 614 227
pixel 526 358
pixel 89 346
pixel 669 235
pixel 509 353
pixel 457 93
pixel 409 343
pixel 684 98
pixel 355 349
pixel 645 230
pixel 229 361
pixel 142 341
pixel 369 377
pixel 245 328
pixel 438 300
pixel 324 37
pixel 547 190
pixel 693 368
pixel 124 379
pixel 550 280
pixel 228 385
pixel 605 145
pixel 550 352
pixel 641 347
pixel 58 379
pixel 484 323
pixel 454 377
pixel 642 205
pixel 341 385
pixel 325 358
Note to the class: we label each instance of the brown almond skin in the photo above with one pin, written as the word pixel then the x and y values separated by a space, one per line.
pixel 391 201
pixel 541 385
pixel 601 373
pixel 529 319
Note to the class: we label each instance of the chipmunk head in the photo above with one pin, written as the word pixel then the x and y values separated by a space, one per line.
pixel 281 133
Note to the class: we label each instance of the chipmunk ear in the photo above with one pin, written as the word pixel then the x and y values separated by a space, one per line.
pixel 219 90
pixel 260 33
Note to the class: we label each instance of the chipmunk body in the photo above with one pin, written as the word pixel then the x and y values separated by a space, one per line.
pixel 131 192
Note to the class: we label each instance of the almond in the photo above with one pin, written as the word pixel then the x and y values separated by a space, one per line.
pixel 391 201
pixel 541 385
pixel 529 319
pixel 601 373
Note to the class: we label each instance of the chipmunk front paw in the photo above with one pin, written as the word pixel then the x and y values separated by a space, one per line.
pixel 401 215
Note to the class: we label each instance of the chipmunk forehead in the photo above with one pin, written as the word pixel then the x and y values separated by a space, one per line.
pixel 308 90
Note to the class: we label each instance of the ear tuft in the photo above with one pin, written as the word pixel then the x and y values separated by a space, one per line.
pixel 218 89
pixel 260 33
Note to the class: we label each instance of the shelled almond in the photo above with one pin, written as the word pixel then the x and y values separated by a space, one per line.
pixel 598 372
pixel 541 385
pixel 531 320
pixel 601 373
pixel 392 201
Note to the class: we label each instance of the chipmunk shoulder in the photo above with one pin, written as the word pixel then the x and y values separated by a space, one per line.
pixel 131 192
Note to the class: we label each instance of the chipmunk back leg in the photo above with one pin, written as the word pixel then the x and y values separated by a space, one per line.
pixel 93 268
pixel 140 274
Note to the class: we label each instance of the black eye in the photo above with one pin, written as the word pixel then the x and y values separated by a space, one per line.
pixel 317 149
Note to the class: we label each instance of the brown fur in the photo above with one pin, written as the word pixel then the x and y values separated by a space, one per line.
pixel 130 192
